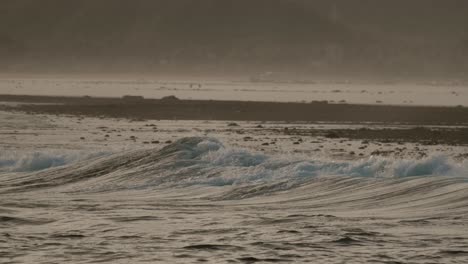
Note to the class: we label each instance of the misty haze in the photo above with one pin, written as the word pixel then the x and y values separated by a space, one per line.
pixel 233 131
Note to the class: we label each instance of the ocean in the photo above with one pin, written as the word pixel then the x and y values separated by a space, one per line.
pixel 79 189
pixel 197 200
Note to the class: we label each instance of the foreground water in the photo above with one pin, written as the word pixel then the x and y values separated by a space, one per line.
pixel 197 200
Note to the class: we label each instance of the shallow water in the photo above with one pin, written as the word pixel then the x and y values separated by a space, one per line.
pixel 198 200
pixel 437 94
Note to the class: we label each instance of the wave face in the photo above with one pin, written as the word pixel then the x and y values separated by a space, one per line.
pixel 199 201
pixel 21 161
pixel 207 162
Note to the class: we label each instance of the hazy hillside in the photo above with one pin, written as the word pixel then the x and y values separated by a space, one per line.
pixel 251 35
pixel 428 18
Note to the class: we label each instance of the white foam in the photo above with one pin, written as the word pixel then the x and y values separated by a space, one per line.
pixel 27 161
pixel 241 166
pixel 201 161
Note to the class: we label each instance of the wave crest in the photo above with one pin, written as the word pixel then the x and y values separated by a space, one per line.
pixel 206 161
pixel 21 161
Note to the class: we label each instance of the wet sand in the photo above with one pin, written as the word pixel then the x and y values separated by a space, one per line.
pixel 423 125
pixel 174 109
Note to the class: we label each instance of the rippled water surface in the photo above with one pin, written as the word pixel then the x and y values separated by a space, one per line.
pixel 199 201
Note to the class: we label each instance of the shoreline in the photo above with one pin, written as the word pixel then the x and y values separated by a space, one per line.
pixel 337 92
pixel 172 108
pixel 427 126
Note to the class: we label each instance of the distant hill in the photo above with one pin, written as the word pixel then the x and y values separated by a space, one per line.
pixel 250 35
pixel 428 18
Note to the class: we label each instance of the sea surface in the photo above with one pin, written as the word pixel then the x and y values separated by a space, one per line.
pixel 90 190
pixel 196 200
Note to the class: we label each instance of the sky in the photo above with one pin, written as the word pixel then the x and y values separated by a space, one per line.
pixel 418 37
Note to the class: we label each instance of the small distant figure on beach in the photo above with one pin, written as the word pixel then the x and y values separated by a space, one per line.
pixel 195 85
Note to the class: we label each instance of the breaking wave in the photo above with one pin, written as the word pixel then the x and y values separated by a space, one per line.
pixel 20 161
pixel 198 198
pixel 207 162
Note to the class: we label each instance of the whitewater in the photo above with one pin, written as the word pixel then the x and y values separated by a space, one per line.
pixel 199 200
